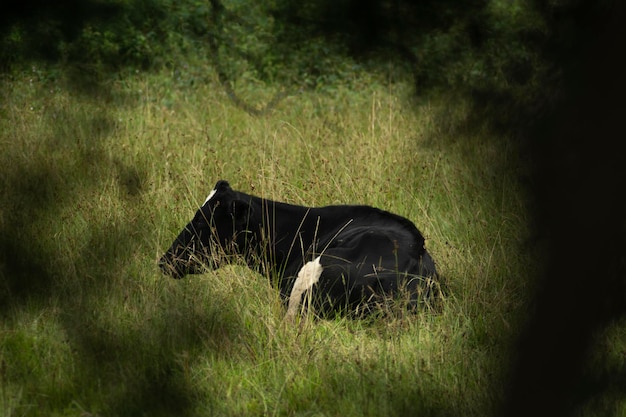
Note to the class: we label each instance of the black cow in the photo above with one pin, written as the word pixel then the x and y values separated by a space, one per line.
pixel 349 256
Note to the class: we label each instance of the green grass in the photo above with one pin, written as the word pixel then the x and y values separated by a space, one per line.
pixel 95 187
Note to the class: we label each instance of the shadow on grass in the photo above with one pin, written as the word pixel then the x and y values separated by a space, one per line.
pixel 59 251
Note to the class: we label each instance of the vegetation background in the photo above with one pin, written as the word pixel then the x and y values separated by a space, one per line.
pixel 493 124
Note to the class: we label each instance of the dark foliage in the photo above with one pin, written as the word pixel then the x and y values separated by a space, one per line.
pixel 36 29
pixel 111 35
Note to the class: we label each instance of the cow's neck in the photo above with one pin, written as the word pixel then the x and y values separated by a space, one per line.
pixel 281 227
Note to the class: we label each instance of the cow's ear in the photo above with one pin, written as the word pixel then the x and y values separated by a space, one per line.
pixel 222 187
pixel 241 211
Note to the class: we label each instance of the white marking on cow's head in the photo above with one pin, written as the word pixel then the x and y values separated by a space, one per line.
pixel 211 194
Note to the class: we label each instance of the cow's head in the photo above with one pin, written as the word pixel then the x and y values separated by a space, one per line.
pixel 218 228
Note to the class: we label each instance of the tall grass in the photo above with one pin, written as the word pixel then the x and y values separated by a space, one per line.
pixel 96 186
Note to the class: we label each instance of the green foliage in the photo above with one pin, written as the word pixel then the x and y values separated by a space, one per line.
pixel 487 50
pixel 112 34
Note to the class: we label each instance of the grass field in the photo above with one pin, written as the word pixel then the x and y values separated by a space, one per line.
pixel 96 186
